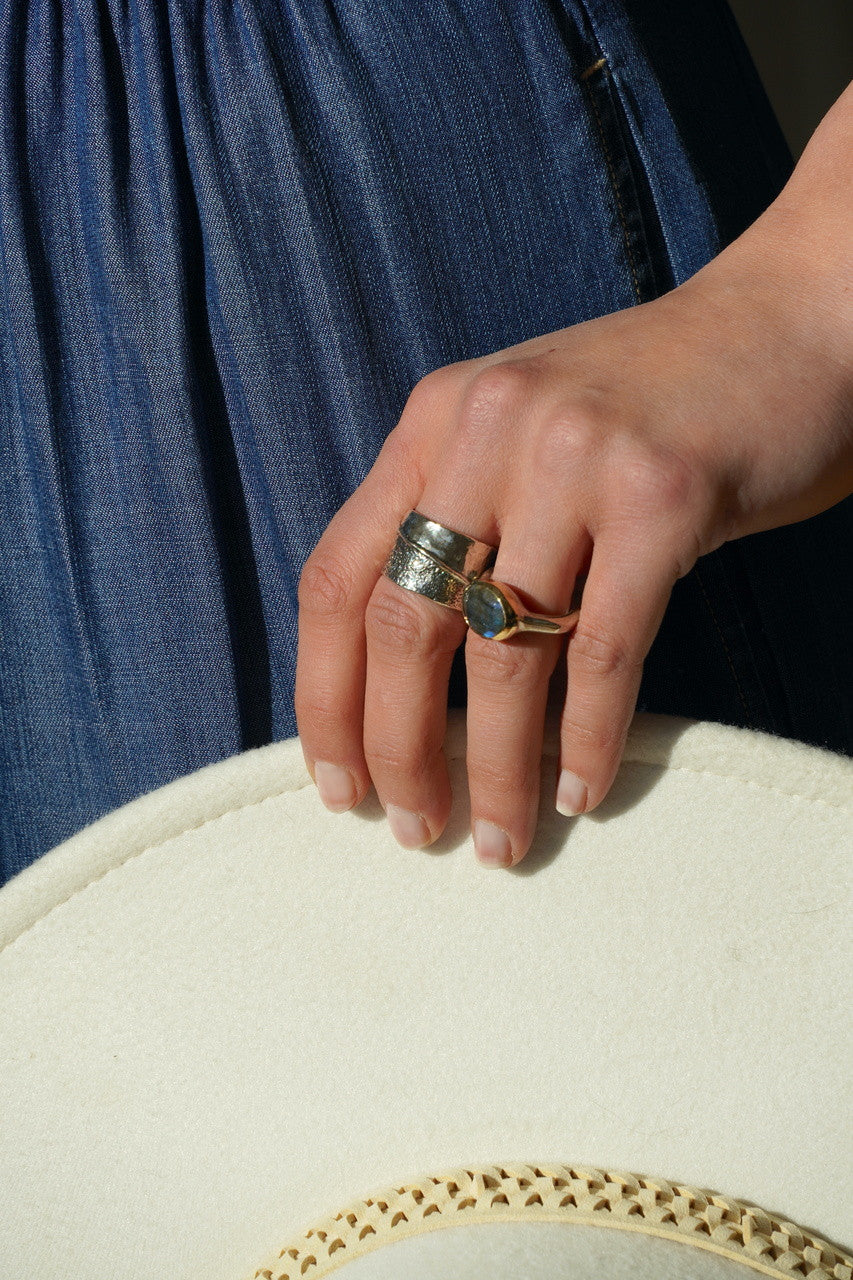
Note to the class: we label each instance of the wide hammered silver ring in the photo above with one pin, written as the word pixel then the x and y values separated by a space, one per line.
pixel 416 570
pixel 457 551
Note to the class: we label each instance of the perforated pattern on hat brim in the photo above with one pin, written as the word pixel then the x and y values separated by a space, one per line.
pixel 560 1193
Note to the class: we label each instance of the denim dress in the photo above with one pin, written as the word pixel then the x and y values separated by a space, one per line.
pixel 233 236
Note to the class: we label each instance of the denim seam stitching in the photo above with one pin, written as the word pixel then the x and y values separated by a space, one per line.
pixel 584 79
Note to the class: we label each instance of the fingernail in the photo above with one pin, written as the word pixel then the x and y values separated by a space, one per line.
pixel 409 829
pixel 492 844
pixel 571 794
pixel 336 786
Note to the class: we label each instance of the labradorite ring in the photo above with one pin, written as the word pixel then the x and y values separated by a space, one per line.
pixel 496 612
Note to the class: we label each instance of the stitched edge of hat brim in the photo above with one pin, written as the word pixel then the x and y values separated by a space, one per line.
pixel 769 763
pixel 574 1195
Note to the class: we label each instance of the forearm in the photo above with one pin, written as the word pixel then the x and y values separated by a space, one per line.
pixel 786 286
pixel 810 227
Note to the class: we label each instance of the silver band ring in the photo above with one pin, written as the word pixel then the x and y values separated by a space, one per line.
pixel 416 570
pixel 457 551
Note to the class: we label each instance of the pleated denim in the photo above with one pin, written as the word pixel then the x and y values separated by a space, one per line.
pixel 234 235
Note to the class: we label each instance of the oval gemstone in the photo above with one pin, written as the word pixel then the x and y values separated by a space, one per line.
pixel 486 611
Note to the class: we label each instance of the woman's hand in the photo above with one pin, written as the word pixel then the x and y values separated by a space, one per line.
pixel 624 448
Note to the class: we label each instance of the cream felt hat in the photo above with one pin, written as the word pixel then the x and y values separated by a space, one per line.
pixel 245 1037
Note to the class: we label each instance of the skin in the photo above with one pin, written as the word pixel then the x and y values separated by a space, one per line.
pixel 625 448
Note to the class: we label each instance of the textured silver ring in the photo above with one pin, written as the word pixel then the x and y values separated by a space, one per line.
pixel 416 570
pixel 457 551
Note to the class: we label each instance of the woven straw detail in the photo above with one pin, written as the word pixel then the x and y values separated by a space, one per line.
pixel 561 1193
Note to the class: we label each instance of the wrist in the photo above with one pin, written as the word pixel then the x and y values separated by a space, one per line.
pixel 785 321
pixel 802 248
pixel 792 271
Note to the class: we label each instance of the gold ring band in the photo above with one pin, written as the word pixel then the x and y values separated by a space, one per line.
pixel 495 611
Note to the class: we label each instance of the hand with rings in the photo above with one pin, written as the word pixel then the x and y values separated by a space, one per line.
pixel 609 455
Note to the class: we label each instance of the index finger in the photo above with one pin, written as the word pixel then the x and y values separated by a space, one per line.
pixel 336 582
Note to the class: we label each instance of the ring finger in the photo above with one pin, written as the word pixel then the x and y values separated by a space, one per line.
pixel 508 684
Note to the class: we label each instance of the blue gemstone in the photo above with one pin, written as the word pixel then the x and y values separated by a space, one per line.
pixel 485 609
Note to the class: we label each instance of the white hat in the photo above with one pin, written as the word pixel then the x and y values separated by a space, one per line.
pixel 241 1036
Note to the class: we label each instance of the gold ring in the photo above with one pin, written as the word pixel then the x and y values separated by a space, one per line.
pixel 495 611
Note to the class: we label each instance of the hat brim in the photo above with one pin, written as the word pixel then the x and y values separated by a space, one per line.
pixel 229 1013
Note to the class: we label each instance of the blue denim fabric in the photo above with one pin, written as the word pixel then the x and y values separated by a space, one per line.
pixel 234 235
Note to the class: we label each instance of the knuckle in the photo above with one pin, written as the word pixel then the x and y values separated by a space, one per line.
pixel 324 586
pixel 501 778
pixel 493 393
pixel 320 708
pixel 594 651
pixel 601 738
pixel 433 386
pixel 395 624
pixel 497 662
pixel 427 395
pixel 565 440
pixel 430 399
pixel 651 482
pixel 402 758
